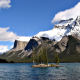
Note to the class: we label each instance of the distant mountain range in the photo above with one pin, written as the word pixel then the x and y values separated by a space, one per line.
pixel 63 39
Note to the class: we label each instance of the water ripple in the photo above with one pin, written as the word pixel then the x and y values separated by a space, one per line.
pixel 24 71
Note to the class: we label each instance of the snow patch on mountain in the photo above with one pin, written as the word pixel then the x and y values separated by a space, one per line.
pixel 55 33
pixel 63 28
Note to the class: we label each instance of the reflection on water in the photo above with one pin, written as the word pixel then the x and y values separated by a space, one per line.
pixel 24 71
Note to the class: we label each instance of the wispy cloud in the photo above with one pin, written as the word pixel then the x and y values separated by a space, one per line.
pixel 3 48
pixel 6 35
pixel 5 3
pixel 69 13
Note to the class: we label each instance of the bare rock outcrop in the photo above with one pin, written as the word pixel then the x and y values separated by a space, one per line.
pixel 19 45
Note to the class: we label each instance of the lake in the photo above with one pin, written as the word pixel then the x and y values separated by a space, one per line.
pixel 24 71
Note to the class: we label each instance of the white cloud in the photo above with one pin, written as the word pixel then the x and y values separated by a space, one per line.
pixel 6 35
pixel 24 38
pixel 5 3
pixel 3 48
pixel 69 13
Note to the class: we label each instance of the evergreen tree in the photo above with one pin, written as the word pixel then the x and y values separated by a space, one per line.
pixel 57 58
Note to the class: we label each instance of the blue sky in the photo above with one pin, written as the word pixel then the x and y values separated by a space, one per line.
pixel 28 17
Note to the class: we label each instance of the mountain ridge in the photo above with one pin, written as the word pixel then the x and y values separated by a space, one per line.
pixel 60 40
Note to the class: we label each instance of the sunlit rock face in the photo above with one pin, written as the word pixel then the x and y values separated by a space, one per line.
pixel 61 45
pixel 19 45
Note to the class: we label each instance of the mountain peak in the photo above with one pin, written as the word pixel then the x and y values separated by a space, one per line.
pixel 63 28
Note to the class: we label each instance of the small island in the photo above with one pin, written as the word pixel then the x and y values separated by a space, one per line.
pixel 46 65
pixel 42 60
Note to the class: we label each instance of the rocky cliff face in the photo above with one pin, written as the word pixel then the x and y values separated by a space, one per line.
pixel 61 45
pixel 68 49
pixel 34 42
pixel 19 45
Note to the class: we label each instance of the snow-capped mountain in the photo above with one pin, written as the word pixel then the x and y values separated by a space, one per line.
pixel 63 41
pixel 63 28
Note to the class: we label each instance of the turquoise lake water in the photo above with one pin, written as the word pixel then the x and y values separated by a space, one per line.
pixel 24 71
